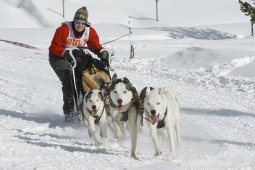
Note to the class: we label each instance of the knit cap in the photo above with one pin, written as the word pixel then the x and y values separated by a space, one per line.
pixel 82 14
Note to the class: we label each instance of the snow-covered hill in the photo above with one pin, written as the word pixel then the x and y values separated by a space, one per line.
pixel 33 13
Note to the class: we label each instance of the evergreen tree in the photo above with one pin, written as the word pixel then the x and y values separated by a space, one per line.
pixel 248 10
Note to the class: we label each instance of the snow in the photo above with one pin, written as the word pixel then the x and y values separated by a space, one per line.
pixel 206 57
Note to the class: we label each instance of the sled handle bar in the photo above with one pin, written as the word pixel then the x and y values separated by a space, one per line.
pixel 81 48
pixel 70 50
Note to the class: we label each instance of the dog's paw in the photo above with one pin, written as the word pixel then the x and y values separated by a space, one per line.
pixel 174 156
pixel 139 129
pixel 157 153
pixel 98 141
pixel 134 156
pixel 118 135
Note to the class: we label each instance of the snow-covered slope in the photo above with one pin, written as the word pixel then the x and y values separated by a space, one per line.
pixel 33 13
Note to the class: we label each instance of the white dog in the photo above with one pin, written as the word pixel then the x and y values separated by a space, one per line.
pixel 94 113
pixel 124 106
pixel 162 111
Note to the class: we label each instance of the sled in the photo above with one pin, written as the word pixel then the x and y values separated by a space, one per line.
pixel 92 75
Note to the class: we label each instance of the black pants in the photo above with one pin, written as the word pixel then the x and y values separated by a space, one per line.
pixel 64 73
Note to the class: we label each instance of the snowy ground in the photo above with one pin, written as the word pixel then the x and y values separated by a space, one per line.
pixel 213 79
pixel 211 68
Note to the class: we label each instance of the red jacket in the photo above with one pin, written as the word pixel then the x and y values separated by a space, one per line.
pixel 59 41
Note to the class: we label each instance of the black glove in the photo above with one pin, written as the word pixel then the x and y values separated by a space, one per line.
pixel 104 57
pixel 77 53
pixel 69 58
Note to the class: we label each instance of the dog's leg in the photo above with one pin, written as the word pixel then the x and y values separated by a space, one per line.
pixel 177 131
pixel 140 124
pixel 116 125
pixel 133 131
pixel 117 133
pixel 89 133
pixel 86 123
pixel 103 130
pixel 92 128
pixel 122 129
pixel 170 134
pixel 154 135
pixel 110 124
pixel 161 132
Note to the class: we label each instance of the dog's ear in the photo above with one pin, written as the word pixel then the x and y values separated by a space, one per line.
pixel 125 80
pixel 87 95
pixel 114 77
pixel 160 91
pixel 143 94
pixel 136 98
pixel 87 92
pixel 101 96
pixel 148 90
pixel 163 91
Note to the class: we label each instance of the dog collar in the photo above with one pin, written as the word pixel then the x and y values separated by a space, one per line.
pixel 97 118
pixel 161 123
pixel 124 116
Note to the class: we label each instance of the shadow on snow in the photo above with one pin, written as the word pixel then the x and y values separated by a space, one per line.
pixel 52 119
pixel 220 112
pixel 89 147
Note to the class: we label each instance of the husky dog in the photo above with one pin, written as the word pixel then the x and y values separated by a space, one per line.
pixel 94 113
pixel 162 111
pixel 124 106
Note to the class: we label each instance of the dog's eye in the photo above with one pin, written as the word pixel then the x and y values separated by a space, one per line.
pixel 148 104
pixel 124 92
pixel 90 100
pixel 158 103
pixel 115 92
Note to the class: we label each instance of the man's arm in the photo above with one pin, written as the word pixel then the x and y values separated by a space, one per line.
pixel 93 42
pixel 57 46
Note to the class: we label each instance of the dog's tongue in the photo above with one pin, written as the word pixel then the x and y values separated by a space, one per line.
pixel 94 112
pixel 120 107
pixel 154 119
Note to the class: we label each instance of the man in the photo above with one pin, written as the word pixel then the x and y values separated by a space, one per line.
pixel 77 33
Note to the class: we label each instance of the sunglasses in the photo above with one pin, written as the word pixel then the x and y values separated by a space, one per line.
pixel 78 22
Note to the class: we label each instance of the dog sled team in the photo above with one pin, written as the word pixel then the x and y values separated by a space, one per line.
pixel 118 102
pixel 91 95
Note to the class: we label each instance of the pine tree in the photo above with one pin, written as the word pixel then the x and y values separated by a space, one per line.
pixel 248 10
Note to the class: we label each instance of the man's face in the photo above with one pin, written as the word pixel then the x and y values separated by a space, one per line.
pixel 79 25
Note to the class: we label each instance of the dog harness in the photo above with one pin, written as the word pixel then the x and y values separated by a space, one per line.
pixel 97 118
pixel 161 123
pixel 124 116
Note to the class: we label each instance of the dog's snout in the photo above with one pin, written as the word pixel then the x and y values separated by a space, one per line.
pixel 94 106
pixel 119 101
pixel 153 112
